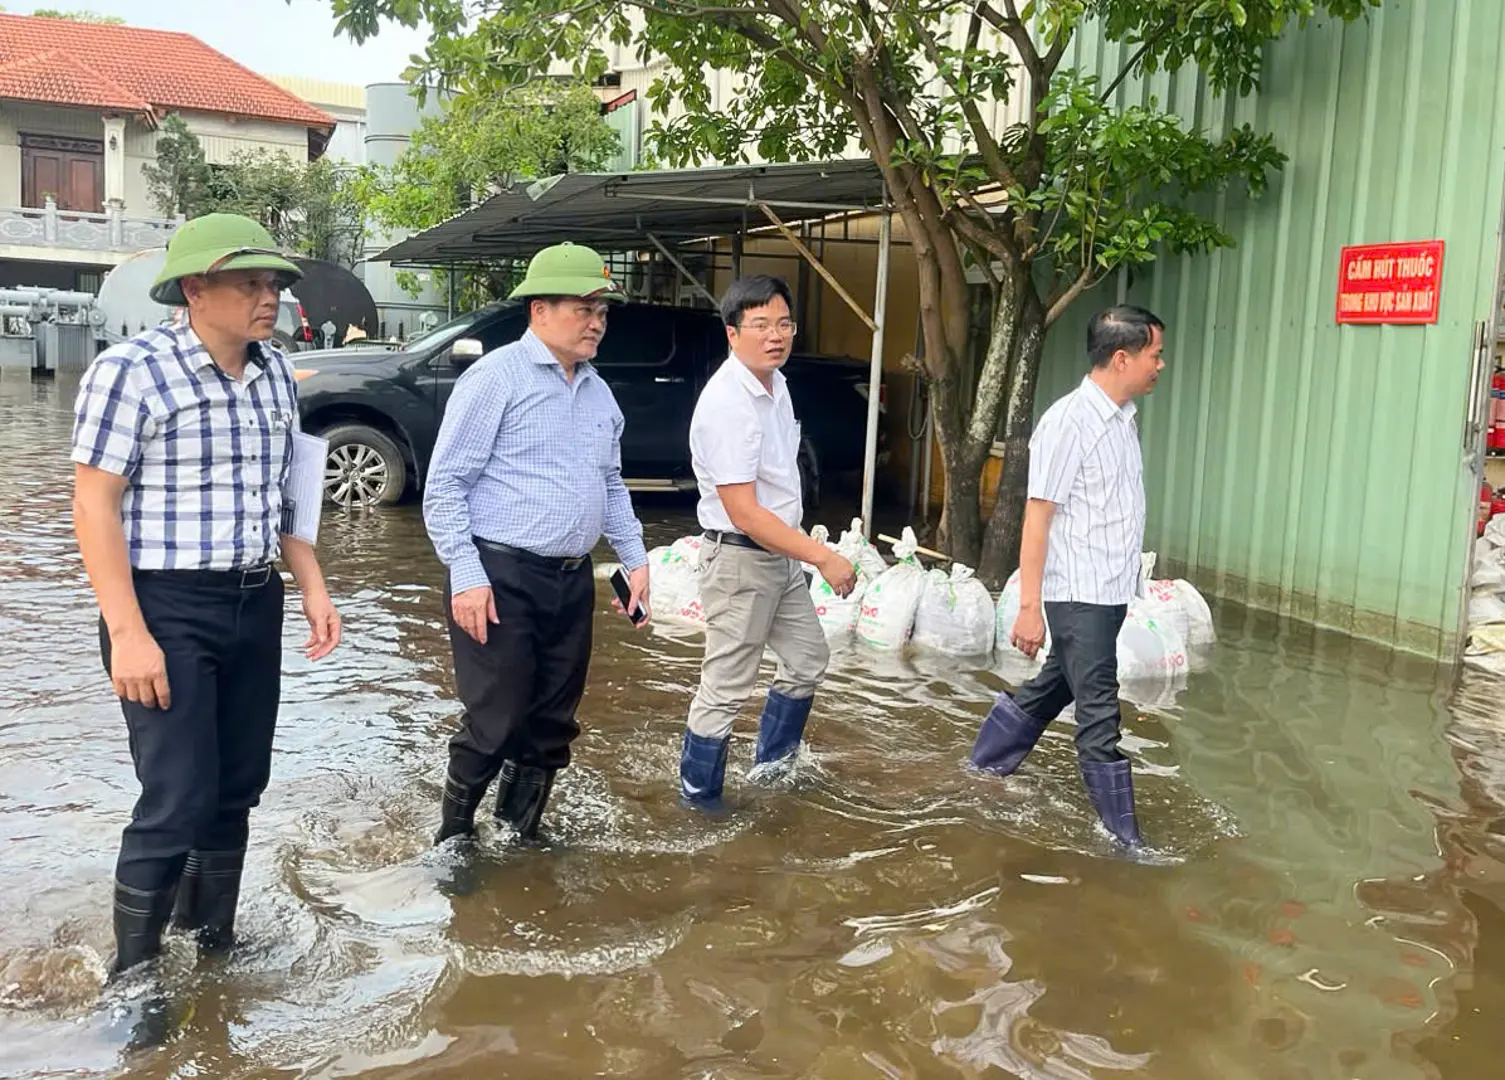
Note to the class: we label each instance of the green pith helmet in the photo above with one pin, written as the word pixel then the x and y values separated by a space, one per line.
pixel 568 270
pixel 213 243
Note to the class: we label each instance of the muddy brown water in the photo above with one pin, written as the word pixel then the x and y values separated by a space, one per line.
pixel 1329 903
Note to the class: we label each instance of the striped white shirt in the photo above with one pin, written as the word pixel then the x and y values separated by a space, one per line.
pixel 1084 457
pixel 204 455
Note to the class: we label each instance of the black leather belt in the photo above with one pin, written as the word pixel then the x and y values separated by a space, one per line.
pixel 249 577
pixel 734 539
pixel 551 561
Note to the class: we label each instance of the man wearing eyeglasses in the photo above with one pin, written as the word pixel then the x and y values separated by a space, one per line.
pixel 182 444
pixel 526 477
pixel 744 444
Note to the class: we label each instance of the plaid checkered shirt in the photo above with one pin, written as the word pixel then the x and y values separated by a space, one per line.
pixel 204 456
pixel 528 459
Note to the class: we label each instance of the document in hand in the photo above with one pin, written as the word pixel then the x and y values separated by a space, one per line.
pixel 303 494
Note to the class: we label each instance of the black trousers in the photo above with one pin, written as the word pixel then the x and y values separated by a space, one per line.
pixel 204 762
pixel 1082 667
pixel 521 689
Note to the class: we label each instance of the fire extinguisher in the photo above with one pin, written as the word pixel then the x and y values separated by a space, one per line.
pixel 1496 440
pixel 1486 506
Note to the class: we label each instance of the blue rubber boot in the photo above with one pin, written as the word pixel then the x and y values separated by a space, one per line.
pixel 1110 786
pixel 702 772
pixel 1006 737
pixel 781 727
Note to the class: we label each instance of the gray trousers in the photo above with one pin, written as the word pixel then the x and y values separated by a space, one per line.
pixel 753 600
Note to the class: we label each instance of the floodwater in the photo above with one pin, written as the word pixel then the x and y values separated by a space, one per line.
pixel 1329 900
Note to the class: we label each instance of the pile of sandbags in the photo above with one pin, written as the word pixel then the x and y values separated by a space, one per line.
pixel 888 609
pixel 1164 628
pixel 674 581
pixel 956 615
pixel 1486 582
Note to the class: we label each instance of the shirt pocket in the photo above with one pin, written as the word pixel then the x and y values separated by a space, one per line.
pixel 601 441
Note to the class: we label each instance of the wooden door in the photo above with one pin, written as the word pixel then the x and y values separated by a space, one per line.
pixel 70 170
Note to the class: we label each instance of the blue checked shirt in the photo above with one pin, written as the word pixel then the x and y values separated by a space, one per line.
pixel 528 459
pixel 204 456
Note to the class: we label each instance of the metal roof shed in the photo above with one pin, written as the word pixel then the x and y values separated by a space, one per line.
pixel 638 211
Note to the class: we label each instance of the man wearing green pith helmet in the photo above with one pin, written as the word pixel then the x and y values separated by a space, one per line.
pixel 182 444
pixel 526 477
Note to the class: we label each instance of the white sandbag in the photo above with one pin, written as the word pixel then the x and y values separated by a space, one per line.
pixel 1149 649
pixel 1488 574
pixel 860 552
pixel 1200 631
pixel 1494 532
pixel 956 614
pixel 888 609
pixel 1159 601
pixel 674 580
pixel 1008 611
pixel 838 615
pixel 1485 607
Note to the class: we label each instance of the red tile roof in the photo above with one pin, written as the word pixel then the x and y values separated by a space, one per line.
pixel 102 66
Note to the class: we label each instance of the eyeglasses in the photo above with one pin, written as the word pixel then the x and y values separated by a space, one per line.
pixel 763 326
pixel 267 281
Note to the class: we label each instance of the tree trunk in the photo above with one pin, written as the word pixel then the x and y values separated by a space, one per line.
pixel 1000 549
pixel 963 512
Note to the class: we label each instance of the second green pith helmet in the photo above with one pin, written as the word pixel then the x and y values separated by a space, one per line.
pixel 568 270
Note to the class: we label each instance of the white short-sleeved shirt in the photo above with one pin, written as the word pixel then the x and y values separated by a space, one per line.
pixel 1084 457
pixel 740 434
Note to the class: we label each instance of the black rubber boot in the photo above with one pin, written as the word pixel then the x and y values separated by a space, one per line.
pixel 140 918
pixel 457 811
pixel 207 897
pixel 1110 785
pixel 522 792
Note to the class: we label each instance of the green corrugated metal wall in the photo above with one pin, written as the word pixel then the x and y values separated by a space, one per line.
pixel 1293 464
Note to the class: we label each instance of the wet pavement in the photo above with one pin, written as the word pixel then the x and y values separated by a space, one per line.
pixel 1330 901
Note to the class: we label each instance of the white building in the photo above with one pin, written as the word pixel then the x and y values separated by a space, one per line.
pixel 81 105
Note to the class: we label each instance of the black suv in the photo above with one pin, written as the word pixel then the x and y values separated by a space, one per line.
pixel 380 408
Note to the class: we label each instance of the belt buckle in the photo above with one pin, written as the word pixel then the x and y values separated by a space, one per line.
pixel 256 577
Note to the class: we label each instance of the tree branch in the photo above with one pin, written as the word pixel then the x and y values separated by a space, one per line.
pixel 979 235
pixel 1060 302
pixel 986 144
pixel 1144 47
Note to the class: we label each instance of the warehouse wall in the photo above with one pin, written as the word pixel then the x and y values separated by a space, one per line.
pixel 1303 467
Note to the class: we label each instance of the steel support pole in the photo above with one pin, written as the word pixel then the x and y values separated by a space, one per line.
pixel 875 375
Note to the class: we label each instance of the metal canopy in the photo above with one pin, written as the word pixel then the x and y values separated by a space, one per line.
pixel 615 212
pixel 640 211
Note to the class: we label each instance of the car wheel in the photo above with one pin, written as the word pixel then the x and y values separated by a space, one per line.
pixel 809 475
pixel 285 344
pixel 364 467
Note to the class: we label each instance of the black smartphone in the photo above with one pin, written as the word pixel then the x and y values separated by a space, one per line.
pixel 624 593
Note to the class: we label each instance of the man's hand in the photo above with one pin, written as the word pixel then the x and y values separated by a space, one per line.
pixel 323 625
pixel 637 595
pixel 1029 631
pixel 473 609
pixel 139 670
pixel 838 572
